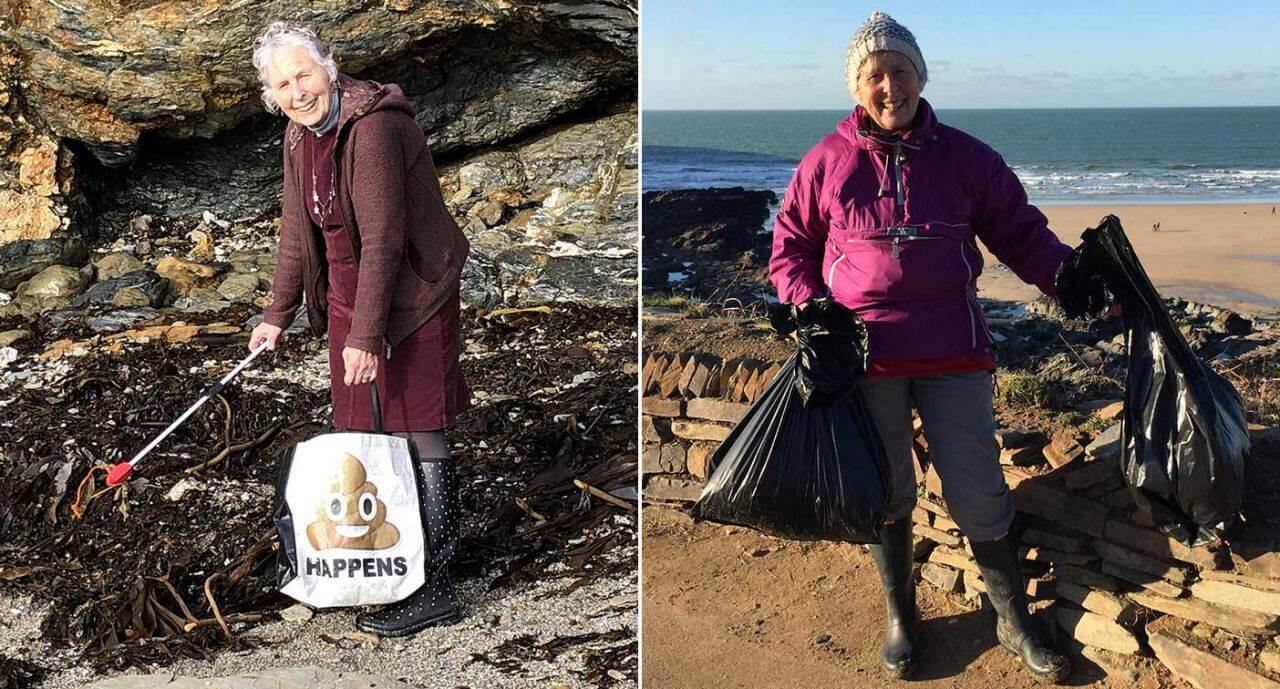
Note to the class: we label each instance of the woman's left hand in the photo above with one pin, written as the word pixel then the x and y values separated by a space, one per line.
pixel 358 366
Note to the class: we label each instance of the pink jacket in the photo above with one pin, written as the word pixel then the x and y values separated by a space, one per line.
pixel 885 224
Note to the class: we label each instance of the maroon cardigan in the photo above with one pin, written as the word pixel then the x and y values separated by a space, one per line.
pixel 409 249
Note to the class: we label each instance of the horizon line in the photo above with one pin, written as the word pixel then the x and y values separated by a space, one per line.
pixel 971 107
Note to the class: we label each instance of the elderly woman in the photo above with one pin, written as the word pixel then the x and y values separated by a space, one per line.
pixel 366 238
pixel 883 216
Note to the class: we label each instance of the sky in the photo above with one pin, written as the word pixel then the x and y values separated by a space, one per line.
pixel 789 54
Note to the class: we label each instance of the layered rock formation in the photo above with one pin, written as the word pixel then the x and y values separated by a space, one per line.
pixel 114 110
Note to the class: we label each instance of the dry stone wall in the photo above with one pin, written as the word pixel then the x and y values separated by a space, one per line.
pixel 691 401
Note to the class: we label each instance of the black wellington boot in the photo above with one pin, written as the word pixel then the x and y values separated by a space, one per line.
pixel 1016 629
pixel 900 654
pixel 433 603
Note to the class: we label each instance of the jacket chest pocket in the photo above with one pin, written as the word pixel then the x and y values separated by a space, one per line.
pixel 889 270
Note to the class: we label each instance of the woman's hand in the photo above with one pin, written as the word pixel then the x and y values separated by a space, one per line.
pixel 265 332
pixel 358 366
pixel 795 334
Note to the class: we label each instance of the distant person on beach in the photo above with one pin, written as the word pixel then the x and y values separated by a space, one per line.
pixel 883 215
pixel 366 238
pixel 1155 227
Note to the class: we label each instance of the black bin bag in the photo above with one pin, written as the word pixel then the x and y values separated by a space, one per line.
pixel 1184 442
pixel 806 462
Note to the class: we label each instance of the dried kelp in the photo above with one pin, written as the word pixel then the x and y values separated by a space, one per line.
pixel 180 560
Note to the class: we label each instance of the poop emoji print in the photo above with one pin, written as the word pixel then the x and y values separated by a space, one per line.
pixel 351 515
pixel 355 519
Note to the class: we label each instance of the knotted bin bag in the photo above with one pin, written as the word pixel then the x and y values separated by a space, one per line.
pixel 1183 438
pixel 806 462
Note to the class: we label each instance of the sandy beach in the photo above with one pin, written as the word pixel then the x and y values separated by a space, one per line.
pixel 1222 254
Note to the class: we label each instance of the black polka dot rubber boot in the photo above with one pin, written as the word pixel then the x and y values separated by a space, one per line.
pixel 900 654
pixel 1016 630
pixel 434 603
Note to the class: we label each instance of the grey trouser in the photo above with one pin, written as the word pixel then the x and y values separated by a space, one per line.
pixel 958 415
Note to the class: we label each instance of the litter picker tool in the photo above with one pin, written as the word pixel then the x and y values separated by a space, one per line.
pixel 120 472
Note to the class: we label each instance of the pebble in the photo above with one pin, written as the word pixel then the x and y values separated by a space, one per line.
pixel 297 612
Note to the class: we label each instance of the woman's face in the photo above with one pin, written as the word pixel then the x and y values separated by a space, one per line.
pixel 889 89
pixel 299 84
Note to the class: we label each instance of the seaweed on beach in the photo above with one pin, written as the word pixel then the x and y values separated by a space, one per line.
pixel 179 562
pixel 608 657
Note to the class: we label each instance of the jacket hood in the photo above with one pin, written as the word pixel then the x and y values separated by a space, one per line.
pixel 359 98
pixel 860 131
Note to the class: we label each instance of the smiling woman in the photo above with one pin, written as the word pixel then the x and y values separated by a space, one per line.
pixel 366 239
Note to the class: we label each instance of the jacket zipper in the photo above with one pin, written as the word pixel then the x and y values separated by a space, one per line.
pixel 968 300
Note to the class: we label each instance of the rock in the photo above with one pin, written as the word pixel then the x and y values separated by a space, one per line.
pixel 149 290
pixel 1231 323
pixel 239 288
pixel 1106 447
pixel 692 430
pixel 477 78
pixel 296 613
pixel 8 355
pixel 12 337
pixel 497 169
pixel 184 273
pixel 54 282
pixel 201 243
pixel 706 234
pixel 115 321
pixel 117 264
pixel 200 299
pixel 1095 630
pixel 659 406
pixel 489 212
pixel 21 259
pixel 668 458
pixel 481 286
pixel 1270 659
pixel 1201 669
pixel 676 488
pixel 462 195
pixel 130 297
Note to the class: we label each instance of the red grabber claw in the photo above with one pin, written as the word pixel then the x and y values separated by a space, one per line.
pixel 119 473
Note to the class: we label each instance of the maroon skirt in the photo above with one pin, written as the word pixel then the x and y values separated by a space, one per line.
pixel 420 384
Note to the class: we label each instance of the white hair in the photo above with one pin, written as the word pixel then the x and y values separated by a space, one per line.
pixel 279 35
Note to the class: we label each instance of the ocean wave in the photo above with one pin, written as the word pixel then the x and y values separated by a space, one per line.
pixel 699 168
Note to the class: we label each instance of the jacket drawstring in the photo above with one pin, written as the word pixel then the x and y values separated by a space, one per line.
pixel 883 177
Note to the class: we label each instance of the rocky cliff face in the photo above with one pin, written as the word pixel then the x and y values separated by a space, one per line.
pixel 114 110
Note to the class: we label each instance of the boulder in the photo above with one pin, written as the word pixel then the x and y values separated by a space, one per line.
pixel 116 264
pixel 12 337
pixel 54 282
pixel 239 288
pixel 139 288
pixel 185 274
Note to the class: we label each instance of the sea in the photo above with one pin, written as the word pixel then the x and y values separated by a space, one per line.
pixel 1062 156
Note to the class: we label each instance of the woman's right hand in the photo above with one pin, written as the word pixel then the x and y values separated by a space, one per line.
pixel 265 332
pixel 795 334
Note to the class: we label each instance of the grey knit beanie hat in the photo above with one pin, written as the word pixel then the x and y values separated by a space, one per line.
pixel 880 32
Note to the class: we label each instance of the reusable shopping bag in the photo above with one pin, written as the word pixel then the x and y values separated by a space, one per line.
pixel 806 462
pixel 350 523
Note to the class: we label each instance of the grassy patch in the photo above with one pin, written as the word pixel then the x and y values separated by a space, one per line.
pixel 670 301
pixel 1021 389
